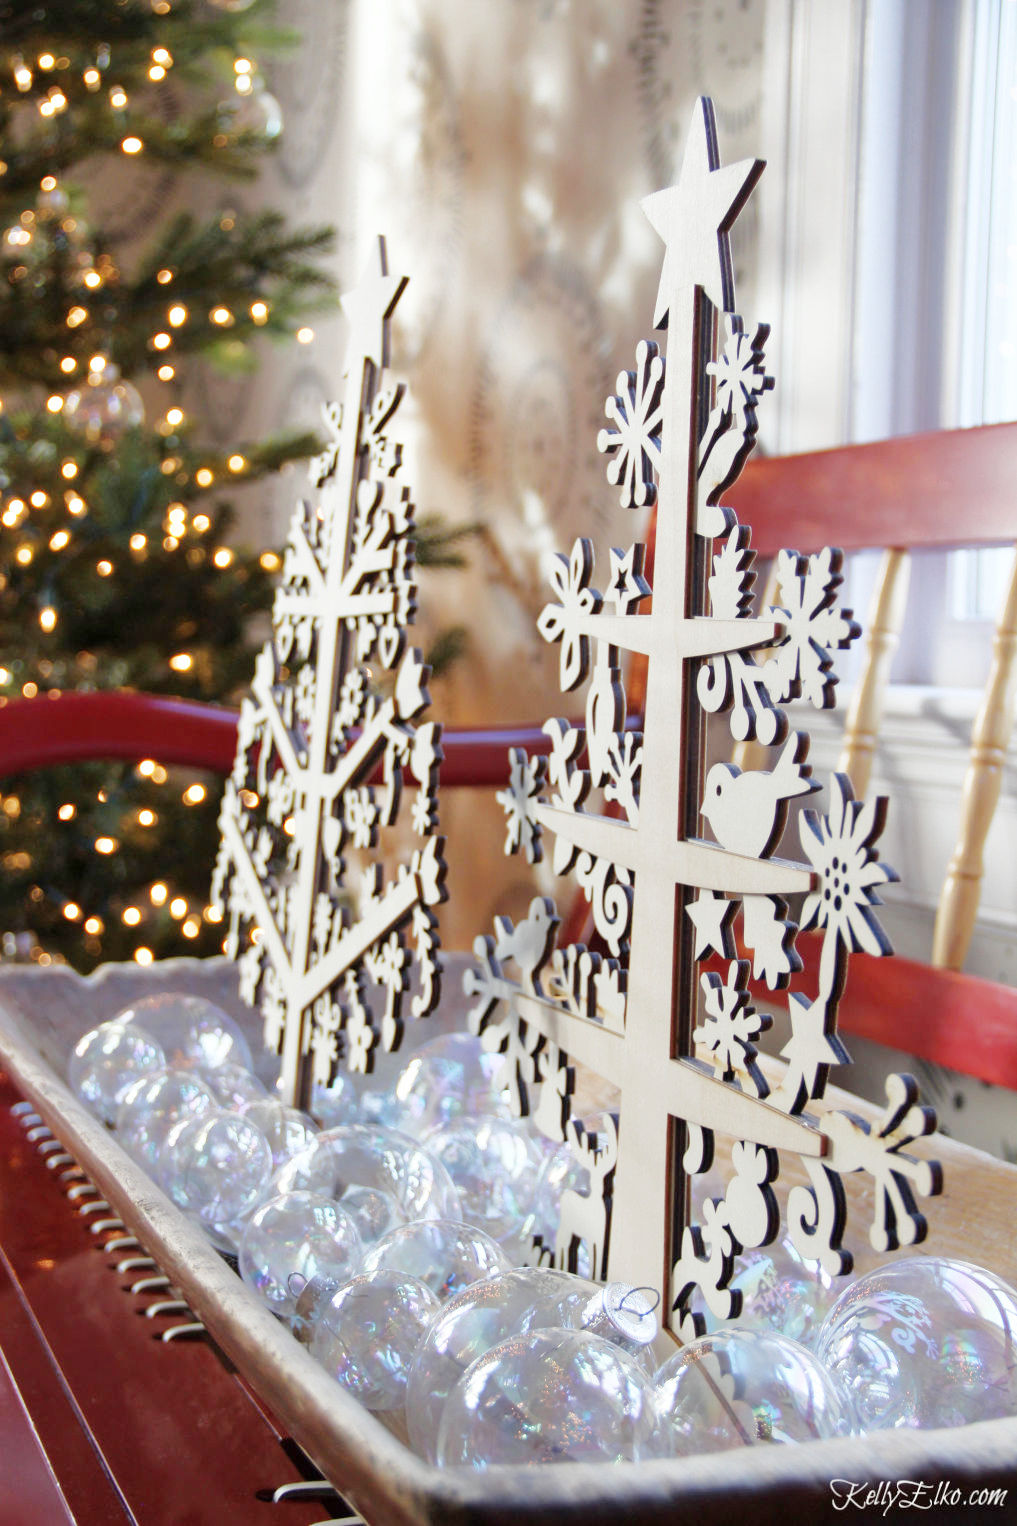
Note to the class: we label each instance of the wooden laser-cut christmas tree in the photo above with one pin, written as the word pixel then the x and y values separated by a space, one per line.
pixel 325 743
pixel 677 1041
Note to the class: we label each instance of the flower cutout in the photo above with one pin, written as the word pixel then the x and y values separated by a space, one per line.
pixel 840 848
pixel 570 580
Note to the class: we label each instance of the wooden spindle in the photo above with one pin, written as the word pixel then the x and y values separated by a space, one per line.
pixel 958 901
pixel 886 615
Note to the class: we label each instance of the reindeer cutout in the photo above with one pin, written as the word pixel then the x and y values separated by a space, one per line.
pixel 586 1218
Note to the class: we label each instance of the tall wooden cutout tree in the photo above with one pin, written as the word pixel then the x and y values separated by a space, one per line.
pixel 324 744
pixel 679 1042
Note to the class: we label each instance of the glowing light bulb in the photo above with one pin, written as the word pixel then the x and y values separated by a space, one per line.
pixel 97 363
pixel 106 845
pixel 203 477
pixel 72 911
pixel 181 662
pixel 132 145
pixel 92 79
pixel 223 557
pixel 24 555
pixel 190 928
pixel 166 373
pixel 75 505
pixel 259 312
pixel 237 463
pixel 138 542
pixel 118 98
pixel 67 812
pixel 177 315
pixel 201 523
pixel 175 416
pixel 305 335
pixel 94 925
pixel 158 893
pixel 54 403
pixel 69 470
pixel 222 316
pixel 143 955
pixel 164 277
pixel 147 767
pixel 68 364
pixel 47 61
pixel 48 618
pixel 130 916
pixel 178 907
pixel 58 540
pixel 147 818
pixel 270 561
pixel 194 794
pixel 161 341
pixel 156 73
pixel 104 568
pixel 76 317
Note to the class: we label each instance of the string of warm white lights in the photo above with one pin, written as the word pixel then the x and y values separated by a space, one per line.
pixel 224 283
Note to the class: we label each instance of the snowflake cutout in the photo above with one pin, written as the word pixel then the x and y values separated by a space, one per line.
pixel 800 665
pixel 570 580
pixel 839 846
pixel 636 415
pixel 730 1026
pixel 739 371
pixel 522 830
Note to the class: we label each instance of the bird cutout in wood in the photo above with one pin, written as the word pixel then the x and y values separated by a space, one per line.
pixel 747 811
pixel 679 1041
pixel 326 746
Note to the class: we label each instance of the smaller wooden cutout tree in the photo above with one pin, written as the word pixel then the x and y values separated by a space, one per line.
pixel 680 1043
pixel 325 744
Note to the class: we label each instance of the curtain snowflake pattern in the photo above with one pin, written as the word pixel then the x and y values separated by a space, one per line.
pixel 326 745
pixel 684 869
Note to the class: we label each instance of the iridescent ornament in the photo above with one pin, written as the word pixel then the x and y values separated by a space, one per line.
pixel 624 1315
pixel 255 110
pixel 194 1032
pixel 739 1387
pixel 447 1256
pixel 924 1342
pixel 218 1168
pixel 287 1129
pixel 103 407
pixel 552 1396
pixel 293 1238
pixel 780 1291
pixel 366 1155
pixel 374 1212
pixel 338 1103
pixel 234 1086
pixel 365 1336
pixel 495 1164
pixel 471 1322
pixel 107 1060
pixel 153 1105
pixel 448 1077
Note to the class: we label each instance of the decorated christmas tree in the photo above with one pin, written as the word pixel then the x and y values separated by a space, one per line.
pixel 115 562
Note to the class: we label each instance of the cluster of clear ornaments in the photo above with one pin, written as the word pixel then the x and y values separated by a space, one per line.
pixel 387 1228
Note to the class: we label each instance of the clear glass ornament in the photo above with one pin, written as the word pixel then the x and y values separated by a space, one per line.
pixel 495 1164
pixel 448 1077
pixel 287 1129
pixel 291 1239
pixel 552 1396
pixel 103 407
pixel 338 1103
pixel 107 1060
pixel 924 1342
pixel 151 1107
pixel 218 1168
pixel 448 1256
pixel 233 1086
pixel 739 1387
pixel 252 111
pixel 367 1155
pixel 780 1291
pixel 365 1336
pixel 194 1032
pixel 471 1322
pixel 620 1313
pixel 374 1212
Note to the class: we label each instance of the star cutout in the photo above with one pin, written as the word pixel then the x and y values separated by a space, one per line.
pixel 370 305
pixel 712 915
pixel 810 1050
pixel 626 584
pixel 695 215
